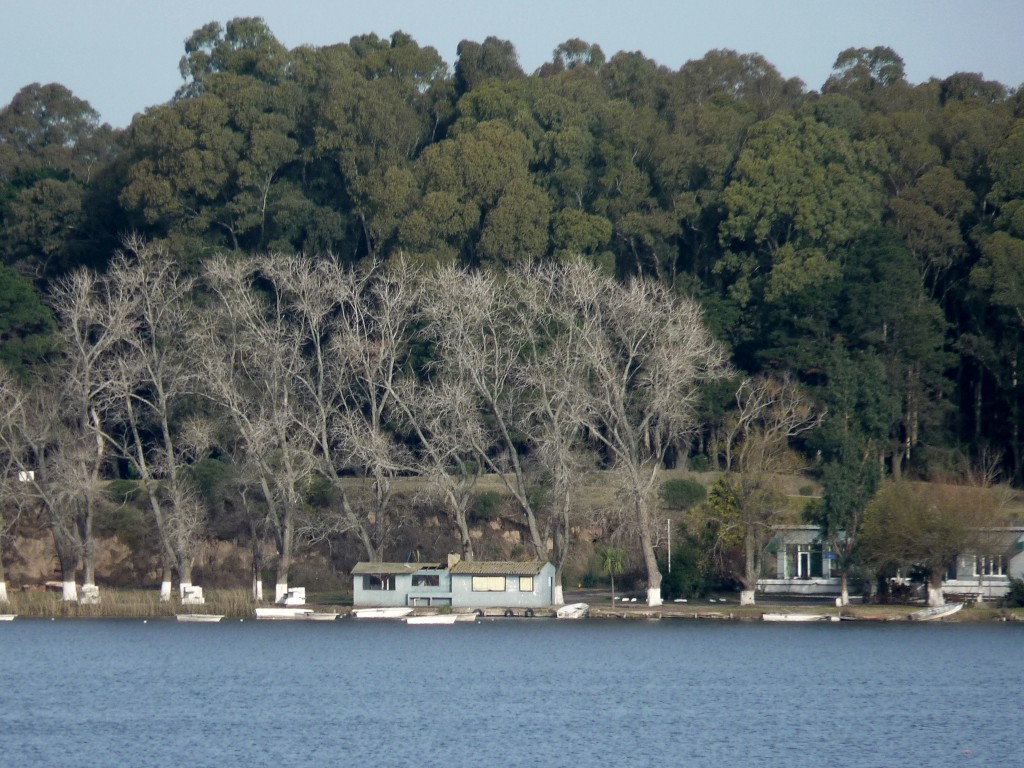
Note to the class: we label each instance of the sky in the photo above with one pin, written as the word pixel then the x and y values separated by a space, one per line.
pixel 122 55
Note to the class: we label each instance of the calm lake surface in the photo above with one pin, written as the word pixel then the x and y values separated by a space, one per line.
pixel 509 693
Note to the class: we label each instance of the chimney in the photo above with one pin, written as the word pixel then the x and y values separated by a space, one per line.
pixel 453 559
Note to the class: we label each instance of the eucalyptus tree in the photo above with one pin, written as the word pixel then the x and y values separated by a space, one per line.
pixel 645 354
pixel 378 102
pixel 478 62
pixel 52 153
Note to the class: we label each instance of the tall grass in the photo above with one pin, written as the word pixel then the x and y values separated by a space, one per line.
pixel 129 603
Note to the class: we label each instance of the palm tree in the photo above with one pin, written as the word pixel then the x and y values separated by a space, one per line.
pixel 612 562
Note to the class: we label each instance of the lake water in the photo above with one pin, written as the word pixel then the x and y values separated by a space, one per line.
pixel 515 692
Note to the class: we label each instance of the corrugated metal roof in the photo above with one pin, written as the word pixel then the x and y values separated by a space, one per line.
pixel 498 568
pixel 392 567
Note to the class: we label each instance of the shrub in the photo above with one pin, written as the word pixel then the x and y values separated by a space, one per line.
pixel 806 490
pixel 485 506
pixel 1015 597
pixel 122 491
pixel 682 493
pixel 699 463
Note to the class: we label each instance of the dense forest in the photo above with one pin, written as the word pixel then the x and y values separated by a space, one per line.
pixel 856 253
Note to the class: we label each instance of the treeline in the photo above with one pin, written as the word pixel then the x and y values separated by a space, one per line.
pixel 269 384
pixel 865 242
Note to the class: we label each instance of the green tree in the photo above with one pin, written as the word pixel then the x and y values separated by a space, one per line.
pixel 613 563
pixel 928 526
pixel 27 327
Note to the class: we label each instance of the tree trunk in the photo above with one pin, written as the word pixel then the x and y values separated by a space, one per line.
pixel 257 568
pixel 88 557
pixel 650 560
pixel 67 556
pixel 935 596
pixel 844 593
pixel 165 584
pixel 749 592
pixel 3 576
pixel 185 577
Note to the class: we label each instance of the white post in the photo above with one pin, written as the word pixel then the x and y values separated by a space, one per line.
pixel 3 591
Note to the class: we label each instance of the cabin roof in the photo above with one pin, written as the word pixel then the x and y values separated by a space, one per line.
pixel 498 567
pixel 378 568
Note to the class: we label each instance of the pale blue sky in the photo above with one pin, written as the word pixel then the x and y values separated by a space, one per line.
pixel 122 55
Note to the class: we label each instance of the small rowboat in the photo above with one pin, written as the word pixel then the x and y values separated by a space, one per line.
pixel 572 611
pixel 200 618
pixel 936 612
pixel 436 618
pixel 395 612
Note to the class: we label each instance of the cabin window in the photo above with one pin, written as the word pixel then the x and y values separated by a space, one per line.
pixel 526 583
pixel 426 581
pixel 378 582
pixel 488 583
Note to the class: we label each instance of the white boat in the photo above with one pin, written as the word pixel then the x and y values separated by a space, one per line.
pixel 283 614
pixel 572 611
pixel 391 612
pixel 936 612
pixel 321 616
pixel 435 618
pixel 7 616
pixel 793 617
pixel 200 617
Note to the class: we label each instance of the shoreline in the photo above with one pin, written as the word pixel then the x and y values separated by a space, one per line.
pixel 238 604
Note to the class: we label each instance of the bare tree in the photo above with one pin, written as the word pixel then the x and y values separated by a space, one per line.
pixel 480 326
pixel 55 434
pixel 770 411
pixel 352 333
pixel 252 367
pixel 645 353
pixel 50 464
pixel 443 418
pixel 152 378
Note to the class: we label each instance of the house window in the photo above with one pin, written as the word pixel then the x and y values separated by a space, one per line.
pixel 426 581
pixel 377 582
pixel 526 583
pixel 488 583
pixel 989 565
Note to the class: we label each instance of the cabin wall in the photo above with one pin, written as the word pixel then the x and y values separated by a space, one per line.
pixel 513 596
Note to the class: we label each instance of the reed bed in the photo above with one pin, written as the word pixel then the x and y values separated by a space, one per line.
pixel 129 604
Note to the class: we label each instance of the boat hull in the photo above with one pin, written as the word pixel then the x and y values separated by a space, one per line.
pixel 397 612
pixel 441 618
pixel 573 611
pixel 936 613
